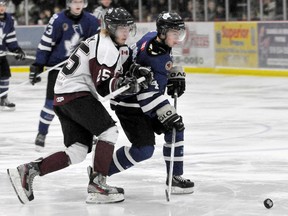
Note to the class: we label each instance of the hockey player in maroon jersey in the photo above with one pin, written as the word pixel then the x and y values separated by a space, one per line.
pixel 90 73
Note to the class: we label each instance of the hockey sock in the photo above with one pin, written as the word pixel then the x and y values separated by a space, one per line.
pixel 54 162
pixel 126 157
pixel 103 157
pixel 46 116
pixel 4 85
pixel 178 152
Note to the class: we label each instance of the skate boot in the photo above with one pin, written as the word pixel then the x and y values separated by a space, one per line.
pixel 181 185
pixel 40 142
pixel 22 180
pixel 6 105
pixel 99 192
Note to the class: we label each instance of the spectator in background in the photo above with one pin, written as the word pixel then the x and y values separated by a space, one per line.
pixel 269 9
pixel 188 14
pixel 211 10
pixel 220 13
pixel 101 10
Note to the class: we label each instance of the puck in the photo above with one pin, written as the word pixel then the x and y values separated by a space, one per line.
pixel 268 203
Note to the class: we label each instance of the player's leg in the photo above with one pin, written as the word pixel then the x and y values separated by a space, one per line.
pixel 5 74
pixel 47 113
pixel 138 130
pixel 22 177
pixel 93 116
pixel 180 185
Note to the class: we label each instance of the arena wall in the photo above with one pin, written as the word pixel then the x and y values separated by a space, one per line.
pixel 240 48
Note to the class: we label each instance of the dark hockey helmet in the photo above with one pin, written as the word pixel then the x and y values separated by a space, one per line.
pixel 115 17
pixel 4 2
pixel 170 20
pixel 68 3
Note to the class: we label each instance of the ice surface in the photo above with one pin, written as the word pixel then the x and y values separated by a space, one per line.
pixel 236 152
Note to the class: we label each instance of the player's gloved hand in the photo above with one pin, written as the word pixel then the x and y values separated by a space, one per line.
pixel 20 54
pixel 138 71
pixel 35 70
pixel 132 82
pixel 176 81
pixel 169 118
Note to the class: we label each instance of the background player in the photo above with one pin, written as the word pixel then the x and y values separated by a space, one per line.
pixel 91 71
pixel 149 111
pixel 62 35
pixel 8 41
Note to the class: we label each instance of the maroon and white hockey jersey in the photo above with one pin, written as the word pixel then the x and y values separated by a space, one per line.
pixel 93 68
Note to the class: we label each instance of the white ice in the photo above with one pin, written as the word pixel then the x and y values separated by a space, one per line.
pixel 236 152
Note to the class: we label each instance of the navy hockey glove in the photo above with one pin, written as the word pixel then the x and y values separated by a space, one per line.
pixel 138 71
pixel 20 54
pixel 35 70
pixel 169 118
pixel 176 81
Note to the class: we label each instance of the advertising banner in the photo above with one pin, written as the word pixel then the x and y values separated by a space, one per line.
pixel 236 44
pixel 273 45
pixel 197 50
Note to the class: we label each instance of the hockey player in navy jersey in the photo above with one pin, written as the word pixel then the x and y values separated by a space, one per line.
pixel 150 111
pixel 63 34
pixel 91 72
pixel 8 41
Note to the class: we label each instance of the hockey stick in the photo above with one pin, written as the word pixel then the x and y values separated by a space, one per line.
pixel 170 175
pixel 27 81
pixel 26 56
pixel 121 90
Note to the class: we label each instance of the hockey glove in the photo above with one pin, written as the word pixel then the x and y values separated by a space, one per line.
pixel 169 118
pixel 138 71
pixel 20 54
pixel 132 82
pixel 35 70
pixel 176 81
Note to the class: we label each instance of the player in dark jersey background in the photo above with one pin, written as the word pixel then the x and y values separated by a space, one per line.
pixel 150 111
pixel 8 42
pixel 63 34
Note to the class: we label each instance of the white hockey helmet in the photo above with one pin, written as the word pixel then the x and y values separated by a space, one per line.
pixel 68 3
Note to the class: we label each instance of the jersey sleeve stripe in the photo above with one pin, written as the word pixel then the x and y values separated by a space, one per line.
pixel 46 48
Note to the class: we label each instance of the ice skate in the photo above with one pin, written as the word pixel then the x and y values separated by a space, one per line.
pixel 40 142
pixel 6 105
pixel 99 192
pixel 181 185
pixel 22 180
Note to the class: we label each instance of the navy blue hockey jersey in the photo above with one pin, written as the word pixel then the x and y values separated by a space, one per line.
pixel 63 35
pixel 7 35
pixel 151 99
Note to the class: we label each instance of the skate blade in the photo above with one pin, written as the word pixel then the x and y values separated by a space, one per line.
pixel 16 183
pixel 178 190
pixel 97 198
